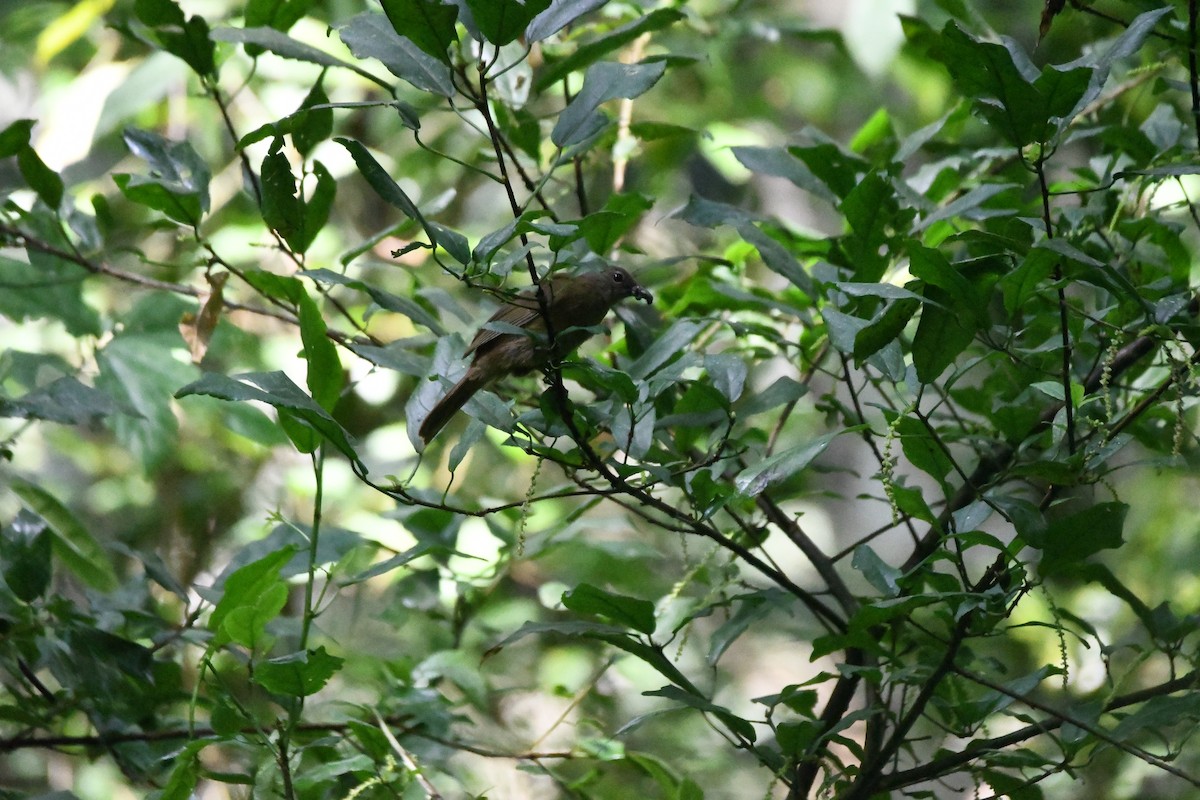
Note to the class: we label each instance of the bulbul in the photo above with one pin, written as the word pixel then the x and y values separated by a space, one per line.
pixel 574 303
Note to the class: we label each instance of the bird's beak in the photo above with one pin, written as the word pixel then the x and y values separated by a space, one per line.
pixel 641 293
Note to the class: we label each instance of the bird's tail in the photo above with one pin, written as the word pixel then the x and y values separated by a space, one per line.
pixel 449 405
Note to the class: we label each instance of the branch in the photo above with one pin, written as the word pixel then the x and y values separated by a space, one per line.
pixel 974 750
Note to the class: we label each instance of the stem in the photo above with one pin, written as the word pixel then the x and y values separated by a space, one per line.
pixel 1193 75
pixel 1068 402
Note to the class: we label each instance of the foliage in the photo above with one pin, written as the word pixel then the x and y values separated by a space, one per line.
pixel 886 496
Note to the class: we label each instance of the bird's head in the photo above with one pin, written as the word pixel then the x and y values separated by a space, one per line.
pixel 617 283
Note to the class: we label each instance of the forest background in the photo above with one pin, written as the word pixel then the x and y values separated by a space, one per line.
pixel 887 495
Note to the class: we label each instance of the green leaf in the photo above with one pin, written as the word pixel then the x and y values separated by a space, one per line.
pixel 922 450
pixel 740 726
pixel 15 137
pixel 428 24
pixel 313 121
pixel 453 242
pixel 178 181
pixel 558 15
pixel 940 337
pixel 884 329
pixel 385 300
pixel 870 209
pixel 247 586
pixel 185 772
pixel 278 14
pixel 881 575
pixel 1071 540
pixel 581 119
pixel 1019 101
pixel 593 51
pixel 838 169
pixel 754 480
pixel 278 390
pixel 325 377
pixel 297 674
pixel 728 374
pixel 502 21
pixel 247 624
pixel 75 547
pixel 25 554
pixel 140 370
pixel 781 163
pixel 372 36
pixel 318 206
pixel 285 46
pixel 627 611
pixel 281 209
pixel 186 38
pixel 604 228
pixel 43 180
pixel 64 400
pixel 751 609
pixel 776 257
pixel 666 347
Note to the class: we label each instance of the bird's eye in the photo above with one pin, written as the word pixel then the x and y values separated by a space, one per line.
pixel 618 277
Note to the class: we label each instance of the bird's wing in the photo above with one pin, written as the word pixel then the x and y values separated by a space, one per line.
pixel 521 312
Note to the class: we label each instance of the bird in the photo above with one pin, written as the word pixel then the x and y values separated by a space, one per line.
pixel 574 303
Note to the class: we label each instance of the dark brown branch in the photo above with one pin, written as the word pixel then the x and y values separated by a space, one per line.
pixel 950 764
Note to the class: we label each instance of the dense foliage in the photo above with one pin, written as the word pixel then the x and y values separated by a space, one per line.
pixel 886 496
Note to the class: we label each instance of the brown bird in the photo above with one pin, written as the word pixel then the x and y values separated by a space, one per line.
pixel 575 303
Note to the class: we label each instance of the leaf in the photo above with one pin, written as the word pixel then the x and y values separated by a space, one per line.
pixel 178 181
pixel 372 36
pixel 245 586
pixel 881 575
pixel 781 163
pixel 281 209
pixel 593 51
pixel 15 137
pixel 728 374
pixel 558 15
pixel 739 726
pixel 247 624
pixel 502 21
pixel 318 206
pixel 602 82
pixel 385 300
pixel 1071 540
pixel 453 242
pixel 139 370
pixel 74 545
pixel 751 609
pixel 278 14
pixel 325 377
pixel 43 180
pixel 627 611
pixel 285 46
pixel 666 347
pixel 297 674
pixel 753 481
pixel 426 23
pixel 777 258
pixel 312 123
pixel 884 329
pixel 870 208
pixel 940 337
pixel 782 391
pixel 187 38
pixel 278 390
pixel 25 555
pixel 63 400
pixel 604 228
